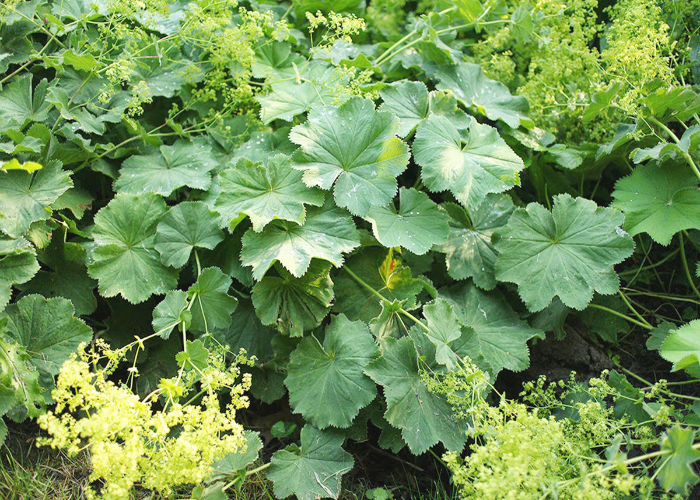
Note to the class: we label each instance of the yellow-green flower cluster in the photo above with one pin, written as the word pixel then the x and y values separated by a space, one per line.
pixel 572 54
pixel 130 440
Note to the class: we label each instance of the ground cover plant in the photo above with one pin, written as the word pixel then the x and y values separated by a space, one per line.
pixel 244 238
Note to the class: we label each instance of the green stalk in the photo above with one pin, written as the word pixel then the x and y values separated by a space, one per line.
pixel 634 311
pixel 362 283
pixel 684 154
pixel 623 316
pixel 685 265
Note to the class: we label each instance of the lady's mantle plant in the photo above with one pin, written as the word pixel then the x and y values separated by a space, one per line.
pixel 352 203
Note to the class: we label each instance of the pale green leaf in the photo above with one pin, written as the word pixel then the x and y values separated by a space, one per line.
pixel 171 312
pixel 682 347
pixel 21 103
pixel 47 329
pixel 568 252
pixel 313 471
pixel 417 225
pixel 235 462
pixel 407 100
pixel 17 268
pixel 184 228
pixel 424 417
pixel 289 99
pixel 265 192
pixel 355 148
pixel 469 250
pixel 470 164
pixel 27 197
pixel 182 164
pixel 327 234
pixel 488 97
pixel 294 305
pixel 275 60
pixel 213 305
pixel 326 381
pixel 496 334
pixel 675 468
pixel 124 260
pixel 443 329
pixel 659 201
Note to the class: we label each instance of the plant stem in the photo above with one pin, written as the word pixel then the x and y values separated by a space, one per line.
pixel 623 316
pixel 684 260
pixel 361 282
pixel 684 154
pixel 634 311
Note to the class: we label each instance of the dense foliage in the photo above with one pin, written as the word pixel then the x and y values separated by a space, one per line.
pixel 383 204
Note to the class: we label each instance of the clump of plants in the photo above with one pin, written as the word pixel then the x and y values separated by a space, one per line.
pixel 362 197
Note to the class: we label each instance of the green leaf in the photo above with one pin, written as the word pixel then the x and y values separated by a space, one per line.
pixel 326 381
pixel 497 333
pixel 417 225
pixel 82 62
pixel 19 380
pixel 213 305
pixel 47 329
pixel 675 471
pixel 327 234
pixel 124 260
pixel 470 166
pixel 184 228
pixel 423 417
pixel 672 103
pixel 247 332
pixel 76 200
pixel 313 471
pixel 488 97
pixel 407 100
pixel 17 268
pixel 235 462
pixel 294 305
pixel 682 347
pixel 607 327
pixel 21 103
pixel 171 312
pixel 469 250
pixel 195 355
pixel 383 272
pixel 27 197
pixel 182 164
pixel 354 147
pixel 264 193
pixel 275 60
pixel 569 252
pixel 659 201
pixel 164 76
pixel 289 99
pixel 64 275
pixel 443 329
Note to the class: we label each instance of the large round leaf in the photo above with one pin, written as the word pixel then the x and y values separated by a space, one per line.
pixel 125 262
pixel 417 225
pixel 659 201
pixel 569 252
pixel 470 164
pixel 354 147
pixel 185 227
pixel 326 381
pixel 47 329
pixel 327 233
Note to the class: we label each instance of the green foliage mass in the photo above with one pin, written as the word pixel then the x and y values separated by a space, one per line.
pixel 383 203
